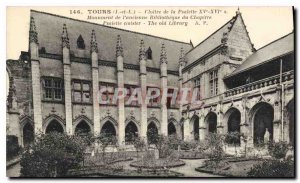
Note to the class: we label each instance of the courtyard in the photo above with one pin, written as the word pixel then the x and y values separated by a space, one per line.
pixel 60 155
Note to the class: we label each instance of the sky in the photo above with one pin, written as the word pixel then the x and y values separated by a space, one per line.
pixel 264 24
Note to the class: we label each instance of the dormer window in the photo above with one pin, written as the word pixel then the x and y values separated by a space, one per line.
pixel 80 43
pixel 149 54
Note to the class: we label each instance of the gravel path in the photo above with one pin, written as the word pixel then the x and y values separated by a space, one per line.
pixel 13 171
pixel 189 169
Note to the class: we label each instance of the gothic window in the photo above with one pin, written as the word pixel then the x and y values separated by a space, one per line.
pixel 149 54
pixel 213 82
pixel 53 88
pixel 197 87
pixel 80 43
pixel 82 91
pixel 130 90
pixel 107 93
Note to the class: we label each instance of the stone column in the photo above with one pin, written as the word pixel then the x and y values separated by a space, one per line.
pixel 36 84
pixel 164 89
pixel 186 128
pixel 220 127
pixel 95 79
pixel 277 122
pixel 202 128
pixel 120 77
pixel 182 64
pixel 245 127
pixel 67 80
pixel 143 85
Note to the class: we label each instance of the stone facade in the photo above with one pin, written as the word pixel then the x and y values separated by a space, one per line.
pixel 55 87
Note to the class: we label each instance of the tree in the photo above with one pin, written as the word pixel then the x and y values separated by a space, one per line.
pixel 105 140
pixel 160 142
pixel 234 139
pixel 12 146
pixel 273 168
pixel 215 142
pixel 278 150
pixel 139 145
pixel 52 155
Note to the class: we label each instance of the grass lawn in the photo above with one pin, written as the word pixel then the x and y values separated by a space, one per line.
pixel 160 163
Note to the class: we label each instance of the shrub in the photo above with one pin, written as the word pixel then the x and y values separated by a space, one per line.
pixel 106 139
pixel 139 145
pixel 216 152
pixel 273 168
pixel 161 144
pixel 52 155
pixel 278 150
pixel 189 145
pixel 12 146
pixel 174 142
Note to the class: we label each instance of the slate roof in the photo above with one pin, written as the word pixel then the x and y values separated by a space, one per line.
pixel 50 26
pixel 277 48
pixel 211 42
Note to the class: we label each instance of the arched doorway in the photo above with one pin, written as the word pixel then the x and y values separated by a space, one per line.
pixel 171 129
pixel 262 119
pixel 82 128
pixel 233 126
pixel 108 129
pixel 211 122
pixel 290 109
pixel 54 126
pixel 195 125
pixel 152 133
pixel 28 134
pixel 131 132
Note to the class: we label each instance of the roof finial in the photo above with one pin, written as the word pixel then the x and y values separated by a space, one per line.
pixel 238 11
pixel 32 32
pixel 181 56
pixel 163 54
pixel 119 47
pixel 65 37
pixel 94 45
pixel 142 53
pixel 191 43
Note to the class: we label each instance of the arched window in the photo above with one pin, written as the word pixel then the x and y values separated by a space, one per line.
pixel 263 116
pixel 82 128
pixel 195 126
pixel 28 134
pixel 108 129
pixel 233 124
pixel 131 132
pixel 171 129
pixel 211 120
pixel 80 42
pixel 152 133
pixel 54 126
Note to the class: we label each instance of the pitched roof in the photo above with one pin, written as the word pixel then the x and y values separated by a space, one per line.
pixel 211 42
pixel 50 26
pixel 277 48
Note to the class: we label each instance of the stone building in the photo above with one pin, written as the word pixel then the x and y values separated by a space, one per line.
pixel 54 85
